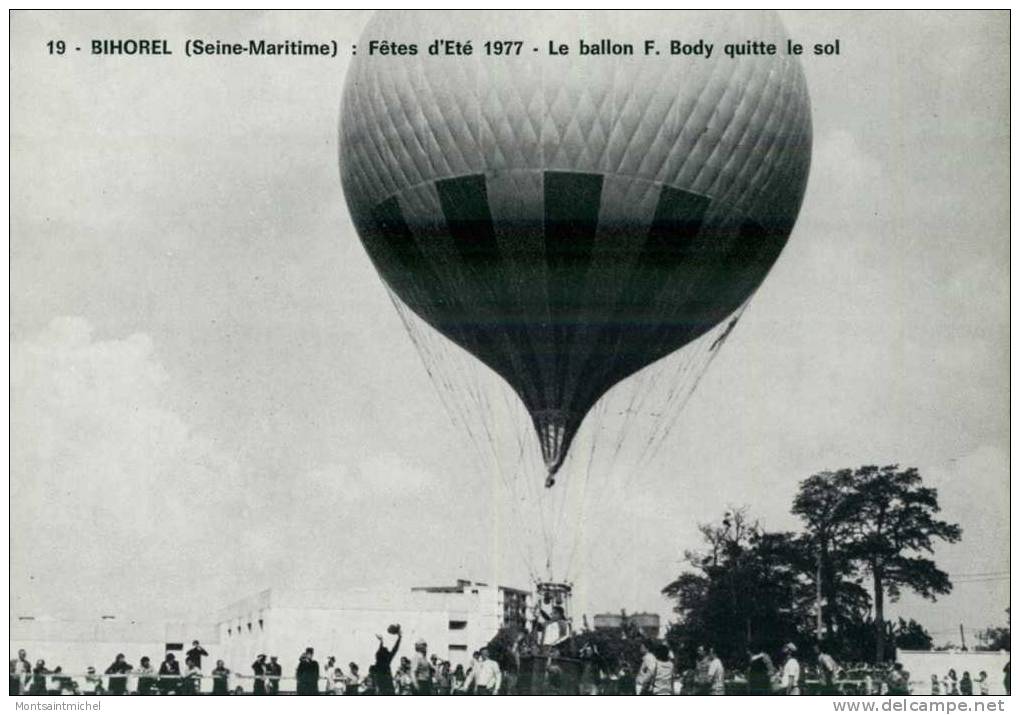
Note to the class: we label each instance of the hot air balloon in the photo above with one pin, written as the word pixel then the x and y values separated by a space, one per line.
pixel 569 220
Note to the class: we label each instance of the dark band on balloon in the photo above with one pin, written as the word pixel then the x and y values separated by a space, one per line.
pixel 572 201
pixel 465 205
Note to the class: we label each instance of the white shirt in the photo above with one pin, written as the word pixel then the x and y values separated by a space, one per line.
pixel 485 674
pixel 791 671
pixel 717 677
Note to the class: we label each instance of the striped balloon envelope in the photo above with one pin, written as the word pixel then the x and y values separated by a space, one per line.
pixel 571 218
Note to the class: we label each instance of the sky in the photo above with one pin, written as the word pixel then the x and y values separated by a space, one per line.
pixel 212 393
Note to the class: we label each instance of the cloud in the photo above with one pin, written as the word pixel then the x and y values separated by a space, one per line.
pixel 107 481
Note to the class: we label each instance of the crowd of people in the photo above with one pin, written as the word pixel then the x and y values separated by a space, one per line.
pixel 548 663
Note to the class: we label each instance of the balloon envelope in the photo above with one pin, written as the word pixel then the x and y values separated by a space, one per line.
pixel 570 219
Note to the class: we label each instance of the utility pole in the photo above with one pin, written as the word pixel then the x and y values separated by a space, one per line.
pixel 963 639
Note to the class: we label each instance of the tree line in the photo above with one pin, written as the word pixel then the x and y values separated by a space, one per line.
pixel 868 534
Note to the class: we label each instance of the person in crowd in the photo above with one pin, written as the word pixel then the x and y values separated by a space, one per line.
pixel 422 670
pixel 196 653
pixel 63 684
pixel 716 674
pixel 951 683
pixel 327 675
pixel 352 684
pixel 259 670
pixel 403 681
pixel 39 675
pixel 93 682
pixel 118 685
pixel 220 676
pixel 443 678
pixel 898 680
pixel 701 663
pixel 656 674
pixel 381 673
pixel 966 684
pixel 274 671
pixel 192 678
pixel 1005 677
pixel 15 682
pixel 169 675
pixel 760 672
pixel 339 681
pixel 591 669
pixel 936 688
pixel 789 681
pixel 458 680
pixel 307 673
pixel 827 669
pixel 982 683
pixel 625 684
pixel 486 676
pixel 24 670
pixel 146 681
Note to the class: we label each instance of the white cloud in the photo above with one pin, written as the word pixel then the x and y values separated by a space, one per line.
pixel 108 482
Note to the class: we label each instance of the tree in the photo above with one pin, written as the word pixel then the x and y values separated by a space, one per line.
pixel 893 526
pixel 824 503
pixel 744 588
pixel 911 635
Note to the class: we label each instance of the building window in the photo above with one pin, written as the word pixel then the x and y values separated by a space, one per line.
pixel 458 647
pixel 174 646
pixel 458 625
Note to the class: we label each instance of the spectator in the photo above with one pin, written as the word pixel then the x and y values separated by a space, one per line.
pixel 93 682
pixel 195 654
pixel 458 681
pixel 486 677
pixel 952 685
pixel 39 673
pixel 192 678
pixel 308 673
pixel 966 685
pixel 443 678
pixel 935 689
pixel 220 674
pixel 274 671
pixel 327 675
pixel 353 682
pixel 1005 677
pixel 716 674
pixel 404 679
pixel 168 669
pixel 702 662
pixel 259 670
pixel 15 682
pixel 982 682
pixel 421 669
pixel 24 670
pixel 118 686
pixel 789 682
pixel 898 680
pixel 381 673
pixel 146 683
pixel 656 674
pixel 760 671
pixel 827 669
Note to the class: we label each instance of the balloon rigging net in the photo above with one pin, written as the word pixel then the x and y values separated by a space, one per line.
pixel 553 529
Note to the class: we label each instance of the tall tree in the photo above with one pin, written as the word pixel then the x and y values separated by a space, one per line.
pixel 894 525
pixel 744 587
pixel 824 503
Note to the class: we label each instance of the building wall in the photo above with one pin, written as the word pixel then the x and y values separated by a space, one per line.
pixel 454 622
pixel 922 664
pixel 76 645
